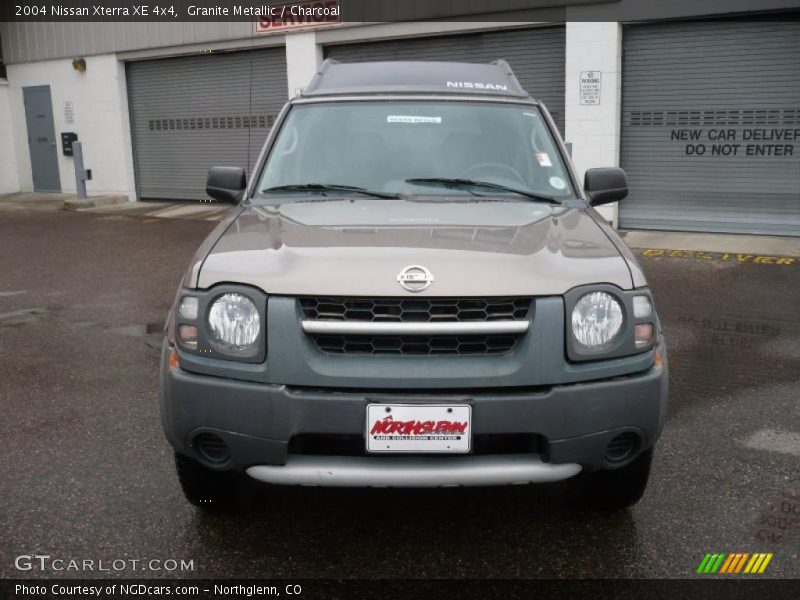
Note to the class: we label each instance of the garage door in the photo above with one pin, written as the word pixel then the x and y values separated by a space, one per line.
pixel 535 55
pixel 192 113
pixel 711 127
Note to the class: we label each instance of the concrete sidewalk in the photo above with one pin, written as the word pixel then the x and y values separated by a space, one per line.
pixel 57 201
pixel 113 205
pixel 204 211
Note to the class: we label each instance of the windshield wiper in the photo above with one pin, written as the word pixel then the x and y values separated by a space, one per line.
pixel 453 183
pixel 328 187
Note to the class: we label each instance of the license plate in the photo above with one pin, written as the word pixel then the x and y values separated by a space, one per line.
pixel 419 428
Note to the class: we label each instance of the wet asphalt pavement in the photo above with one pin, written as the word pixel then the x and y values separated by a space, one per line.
pixel 87 473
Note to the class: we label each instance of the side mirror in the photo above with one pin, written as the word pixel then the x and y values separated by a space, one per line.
pixel 226 184
pixel 605 185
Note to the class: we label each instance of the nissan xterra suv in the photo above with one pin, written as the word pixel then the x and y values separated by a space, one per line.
pixel 414 290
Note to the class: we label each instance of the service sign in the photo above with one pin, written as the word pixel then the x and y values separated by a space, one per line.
pixel 290 16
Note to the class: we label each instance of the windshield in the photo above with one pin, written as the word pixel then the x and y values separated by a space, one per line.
pixel 380 145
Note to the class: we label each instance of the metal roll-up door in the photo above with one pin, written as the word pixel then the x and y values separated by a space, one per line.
pixel 191 113
pixel 536 55
pixel 711 127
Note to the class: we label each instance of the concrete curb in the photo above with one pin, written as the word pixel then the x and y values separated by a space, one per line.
pixel 94 202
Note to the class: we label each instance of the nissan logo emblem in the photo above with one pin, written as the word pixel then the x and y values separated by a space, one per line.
pixel 415 278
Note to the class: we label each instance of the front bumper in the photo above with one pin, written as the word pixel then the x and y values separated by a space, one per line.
pixel 257 421
pixel 412 471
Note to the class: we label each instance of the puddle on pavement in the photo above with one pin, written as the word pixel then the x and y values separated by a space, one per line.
pixel 715 354
pixel 152 332
pixel 138 330
pixel 780 521
pixel 115 218
pixel 23 316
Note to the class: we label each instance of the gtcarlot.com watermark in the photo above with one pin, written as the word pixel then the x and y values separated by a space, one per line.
pixel 48 563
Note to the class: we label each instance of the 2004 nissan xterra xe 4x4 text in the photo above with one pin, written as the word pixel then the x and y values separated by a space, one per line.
pixel 414 290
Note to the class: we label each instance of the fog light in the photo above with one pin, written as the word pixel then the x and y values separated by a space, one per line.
pixel 188 336
pixel 211 447
pixel 622 447
pixel 643 334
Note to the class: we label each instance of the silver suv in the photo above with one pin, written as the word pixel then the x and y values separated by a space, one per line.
pixel 414 290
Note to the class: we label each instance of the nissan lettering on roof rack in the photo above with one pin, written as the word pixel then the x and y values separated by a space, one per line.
pixel 477 85
pixel 414 290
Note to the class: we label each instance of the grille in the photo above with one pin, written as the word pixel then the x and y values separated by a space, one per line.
pixel 423 345
pixel 422 310
pixel 407 310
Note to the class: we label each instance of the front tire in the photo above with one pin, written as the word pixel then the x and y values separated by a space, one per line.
pixel 615 489
pixel 205 488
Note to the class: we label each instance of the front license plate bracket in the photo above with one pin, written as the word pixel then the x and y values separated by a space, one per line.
pixel 419 428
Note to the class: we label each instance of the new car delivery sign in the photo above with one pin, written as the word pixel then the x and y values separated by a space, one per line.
pixel 277 18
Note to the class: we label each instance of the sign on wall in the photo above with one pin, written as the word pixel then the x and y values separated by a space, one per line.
pixel 590 87
pixel 737 142
pixel 278 18
pixel 69 112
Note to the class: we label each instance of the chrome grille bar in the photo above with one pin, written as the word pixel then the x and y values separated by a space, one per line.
pixel 409 328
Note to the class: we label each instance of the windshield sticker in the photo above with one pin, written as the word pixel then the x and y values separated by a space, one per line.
pixel 544 159
pixel 558 183
pixel 412 119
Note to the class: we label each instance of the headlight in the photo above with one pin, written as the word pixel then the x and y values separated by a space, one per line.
pixel 596 320
pixel 234 324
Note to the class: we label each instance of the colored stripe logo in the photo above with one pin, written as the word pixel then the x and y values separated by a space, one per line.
pixel 734 562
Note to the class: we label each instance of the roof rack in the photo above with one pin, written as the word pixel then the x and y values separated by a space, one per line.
pixel 413 77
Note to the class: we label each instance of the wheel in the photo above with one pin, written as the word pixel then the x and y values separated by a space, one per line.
pixel 208 489
pixel 615 489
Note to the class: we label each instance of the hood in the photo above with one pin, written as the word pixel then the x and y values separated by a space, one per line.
pixel 357 247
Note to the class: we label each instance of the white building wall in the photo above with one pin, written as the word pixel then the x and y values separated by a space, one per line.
pixel 101 120
pixel 594 130
pixel 9 180
pixel 303 57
